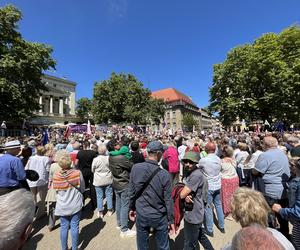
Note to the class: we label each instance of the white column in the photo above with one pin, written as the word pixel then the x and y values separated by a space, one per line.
pixel 41 103
pixel 51 105
pixel 61 106
pixel 67 105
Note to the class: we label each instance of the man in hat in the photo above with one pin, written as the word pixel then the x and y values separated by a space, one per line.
pixel 12 173
pixel 150 199
pixel 195 195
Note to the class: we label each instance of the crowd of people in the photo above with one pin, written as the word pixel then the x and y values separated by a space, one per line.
pixel 155 180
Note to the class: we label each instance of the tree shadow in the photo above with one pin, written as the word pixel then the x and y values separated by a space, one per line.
pixel 33 242
pixel 89 232
pixel 175 244
pixel 38 225
pixel 88 211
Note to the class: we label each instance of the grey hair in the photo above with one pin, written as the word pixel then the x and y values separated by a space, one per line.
pixel 102 149
pixel 16 213
pixel 293 139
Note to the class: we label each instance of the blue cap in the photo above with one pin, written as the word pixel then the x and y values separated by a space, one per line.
pixel 155 146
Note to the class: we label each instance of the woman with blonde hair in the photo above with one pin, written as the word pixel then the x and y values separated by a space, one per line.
pixel 249 207
pixel 69 186
pixel 41 164
pixel 50 151
pixel 51 195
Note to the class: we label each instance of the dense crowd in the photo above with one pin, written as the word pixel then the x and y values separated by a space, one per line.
pixel 156 180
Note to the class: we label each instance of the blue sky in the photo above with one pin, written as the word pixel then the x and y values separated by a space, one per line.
pixel 163 43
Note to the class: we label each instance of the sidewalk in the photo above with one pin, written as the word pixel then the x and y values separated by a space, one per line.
pixel 98 234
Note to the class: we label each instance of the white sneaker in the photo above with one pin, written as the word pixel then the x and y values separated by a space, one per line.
pixel 118 227
pixel 128 234
pixel 110 213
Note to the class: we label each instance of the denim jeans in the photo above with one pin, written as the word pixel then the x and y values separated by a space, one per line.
pixel 194 233
pixel 122 208
pixel 214 198
pixel 160 226
pixel 65 223
pixel 108 194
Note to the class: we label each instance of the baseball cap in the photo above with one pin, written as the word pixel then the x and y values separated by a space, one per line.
pixel 155 146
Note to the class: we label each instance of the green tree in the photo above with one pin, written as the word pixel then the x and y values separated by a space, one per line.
pixel 83 108
pixel 259 80
pixel 189 122
pixel 156 110
pixel 21 67
pixel 122 98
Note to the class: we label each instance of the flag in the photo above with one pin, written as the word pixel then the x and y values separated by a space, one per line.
pixel 267 123
pixel 45 137
pixel 67 132
pixel 88 130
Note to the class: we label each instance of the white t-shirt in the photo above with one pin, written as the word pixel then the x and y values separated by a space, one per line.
pixel 40 164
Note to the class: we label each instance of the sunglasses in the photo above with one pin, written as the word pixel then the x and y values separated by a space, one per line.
pixel 188 162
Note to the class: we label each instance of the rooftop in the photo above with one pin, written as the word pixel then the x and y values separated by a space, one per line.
pixel 60 79
pixel 172 95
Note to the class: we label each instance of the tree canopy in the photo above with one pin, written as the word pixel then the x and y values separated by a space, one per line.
pixel 21 66
pixel 259 81
pixel 84 108
pixel 189 122
pixel 122 98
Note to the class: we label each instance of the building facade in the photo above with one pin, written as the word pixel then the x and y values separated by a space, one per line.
pixel 57 105
pixel 179 104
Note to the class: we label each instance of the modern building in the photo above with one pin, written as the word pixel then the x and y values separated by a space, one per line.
pixel 57 105
pixel 179 104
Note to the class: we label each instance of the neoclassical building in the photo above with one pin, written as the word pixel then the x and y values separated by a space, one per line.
pixel 57 105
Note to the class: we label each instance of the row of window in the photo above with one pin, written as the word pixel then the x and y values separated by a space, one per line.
pixel 168 114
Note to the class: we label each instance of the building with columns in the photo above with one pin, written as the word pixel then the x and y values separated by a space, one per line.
pixel 57 105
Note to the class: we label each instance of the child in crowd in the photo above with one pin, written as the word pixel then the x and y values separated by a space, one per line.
pixel 292 213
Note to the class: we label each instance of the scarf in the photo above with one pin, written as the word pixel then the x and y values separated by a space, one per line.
pixel 63 178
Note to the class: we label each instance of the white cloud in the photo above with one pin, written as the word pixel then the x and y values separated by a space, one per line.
pixel 118 8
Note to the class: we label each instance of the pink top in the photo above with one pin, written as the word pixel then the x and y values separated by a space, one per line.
pixel 172 155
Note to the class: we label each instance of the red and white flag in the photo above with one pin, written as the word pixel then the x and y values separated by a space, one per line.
pixel 67 132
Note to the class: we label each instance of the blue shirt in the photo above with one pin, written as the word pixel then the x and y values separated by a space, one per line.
pixel 274 166
pixel 211 168
pixel 11 171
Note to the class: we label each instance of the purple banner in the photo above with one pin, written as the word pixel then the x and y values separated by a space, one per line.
pixel 78 128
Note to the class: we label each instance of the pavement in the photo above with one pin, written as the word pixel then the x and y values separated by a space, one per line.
pixel 101 234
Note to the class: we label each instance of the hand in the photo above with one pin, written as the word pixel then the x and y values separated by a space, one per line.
pixel 132 215
pixel 276 208
pixel 172 229
pixel 189 199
